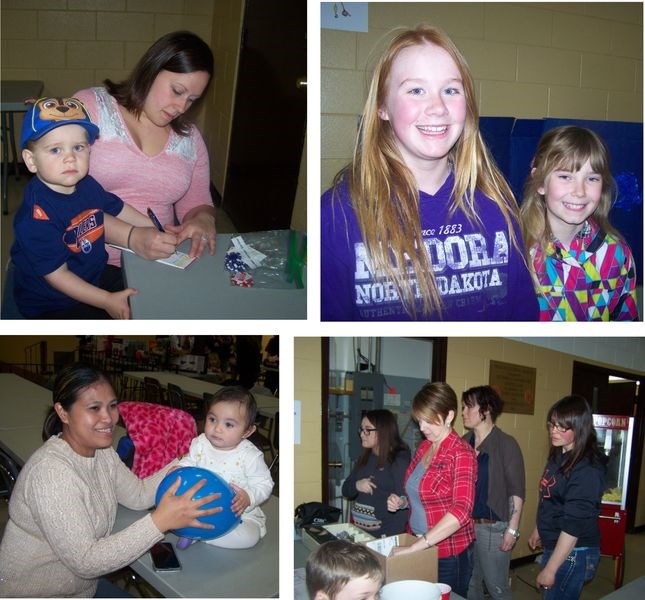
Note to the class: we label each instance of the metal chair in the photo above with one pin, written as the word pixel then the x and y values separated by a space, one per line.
pixel 261 437
pixel 177 399
pixel 8 475
pixel 153 392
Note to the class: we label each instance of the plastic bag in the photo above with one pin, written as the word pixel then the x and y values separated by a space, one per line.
pixel 268 259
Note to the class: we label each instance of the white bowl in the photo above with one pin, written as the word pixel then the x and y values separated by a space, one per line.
pixel 411 589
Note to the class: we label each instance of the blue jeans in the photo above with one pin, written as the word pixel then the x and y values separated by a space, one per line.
pixel 456 571
pixel 490 564
pixel 578 568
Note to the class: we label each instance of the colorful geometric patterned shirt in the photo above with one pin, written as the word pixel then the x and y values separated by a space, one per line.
pixel 448 486
pixel 593 280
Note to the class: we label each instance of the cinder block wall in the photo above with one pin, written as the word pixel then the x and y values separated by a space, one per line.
pixel 530 60
pixel 467 365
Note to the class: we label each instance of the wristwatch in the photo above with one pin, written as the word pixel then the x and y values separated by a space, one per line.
pixel 514 532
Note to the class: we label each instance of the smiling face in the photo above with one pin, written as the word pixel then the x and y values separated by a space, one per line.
pixel 60 158
pixel 172 94
pixel 89 423
pixel 425 105
pixel 571 197
pixel 225 425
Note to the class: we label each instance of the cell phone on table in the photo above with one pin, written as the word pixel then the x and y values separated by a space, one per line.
pixel 164 557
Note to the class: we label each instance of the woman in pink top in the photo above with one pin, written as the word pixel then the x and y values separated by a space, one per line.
pixel 148 153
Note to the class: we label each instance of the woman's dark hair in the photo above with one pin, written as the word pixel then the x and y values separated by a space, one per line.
pixel 68 385
pixel 486 398
pixel 389 440
pixel 178 52
pixel 239 394
pixel 573 412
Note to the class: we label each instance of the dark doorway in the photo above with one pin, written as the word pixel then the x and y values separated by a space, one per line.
pixel 269 116
pixel 615 392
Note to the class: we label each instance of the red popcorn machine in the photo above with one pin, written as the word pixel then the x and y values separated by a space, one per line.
pixel 614 434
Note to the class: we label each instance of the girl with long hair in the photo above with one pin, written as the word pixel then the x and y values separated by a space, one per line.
pixel 571 490
pixel 378 472
pixel 421 224
pixel 582 267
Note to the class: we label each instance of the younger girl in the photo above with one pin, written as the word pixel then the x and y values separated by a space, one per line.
pixel 570 494
pixel 583 269
pixel 421 224
pixel 224 450
pixel 378 473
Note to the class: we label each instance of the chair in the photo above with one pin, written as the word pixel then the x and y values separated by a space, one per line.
pixel 273 467
pixel 261 437
pixel 177 399
pixel 153 393
pixel 159 434
pixel 8 475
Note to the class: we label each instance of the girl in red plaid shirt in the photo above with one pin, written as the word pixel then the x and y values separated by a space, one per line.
pixel 440 488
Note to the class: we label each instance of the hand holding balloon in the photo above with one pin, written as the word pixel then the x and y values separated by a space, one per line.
pixel 174 512
pixel 241 501
pixel 186 495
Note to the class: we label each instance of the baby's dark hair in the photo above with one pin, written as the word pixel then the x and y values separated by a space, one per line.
pixel 335 563
pixel 239 394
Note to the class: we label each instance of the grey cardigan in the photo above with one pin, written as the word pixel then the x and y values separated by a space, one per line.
pixel 506 475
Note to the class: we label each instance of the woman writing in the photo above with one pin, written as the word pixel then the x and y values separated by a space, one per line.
pixel 148 153
pixel 440 487
pixel 58 540
pixel 570 494
pixel 499 493
pixel 378 473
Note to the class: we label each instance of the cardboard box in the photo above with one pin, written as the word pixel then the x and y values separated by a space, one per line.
pixel 418 565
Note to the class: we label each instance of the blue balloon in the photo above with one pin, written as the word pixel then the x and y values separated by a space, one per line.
pixel 223 521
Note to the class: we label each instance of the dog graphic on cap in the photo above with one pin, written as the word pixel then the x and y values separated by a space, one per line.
pixel 48 113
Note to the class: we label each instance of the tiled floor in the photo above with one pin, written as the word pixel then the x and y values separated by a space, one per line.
pixel 15 188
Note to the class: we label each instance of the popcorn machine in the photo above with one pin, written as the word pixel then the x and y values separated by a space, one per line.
pixel 614 434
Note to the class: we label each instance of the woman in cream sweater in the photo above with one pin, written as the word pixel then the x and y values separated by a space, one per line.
pixel 58 540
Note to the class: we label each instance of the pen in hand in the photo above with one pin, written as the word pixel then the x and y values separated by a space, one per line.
pixel 154 219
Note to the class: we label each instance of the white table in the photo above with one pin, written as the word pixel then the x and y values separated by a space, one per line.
pixel 631 590
pixel 13 94
pixel 210 572
pixel 195 387
pixel 24 404
pixel 204 291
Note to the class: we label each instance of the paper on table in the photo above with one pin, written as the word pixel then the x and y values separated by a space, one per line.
pixel 179 260
pixel 252 257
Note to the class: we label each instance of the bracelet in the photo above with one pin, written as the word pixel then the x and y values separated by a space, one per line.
pixel 129 236
pixel 425 539
pixel 514 532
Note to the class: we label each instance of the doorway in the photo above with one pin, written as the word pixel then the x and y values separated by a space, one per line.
pixel 361 374
pixel 269 116
pixel 615 392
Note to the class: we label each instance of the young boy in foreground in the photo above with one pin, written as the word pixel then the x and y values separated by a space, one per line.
pixel 342 570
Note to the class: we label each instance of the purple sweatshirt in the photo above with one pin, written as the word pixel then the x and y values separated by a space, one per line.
pixel 480 275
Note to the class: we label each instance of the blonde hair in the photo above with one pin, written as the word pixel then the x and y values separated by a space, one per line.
pixel 385 194
pixel 564 148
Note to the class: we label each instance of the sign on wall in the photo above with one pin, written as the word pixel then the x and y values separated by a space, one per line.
pixel 515 384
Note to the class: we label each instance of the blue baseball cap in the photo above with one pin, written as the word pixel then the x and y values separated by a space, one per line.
pixel 50 112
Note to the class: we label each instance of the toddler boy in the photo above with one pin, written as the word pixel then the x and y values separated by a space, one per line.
pixel 342 570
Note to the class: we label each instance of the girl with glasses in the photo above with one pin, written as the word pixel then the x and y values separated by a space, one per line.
pixel 378 473
pixel 570 494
